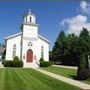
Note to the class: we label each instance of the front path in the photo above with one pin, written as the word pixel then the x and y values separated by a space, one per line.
pixel 69 67
pixel 64 79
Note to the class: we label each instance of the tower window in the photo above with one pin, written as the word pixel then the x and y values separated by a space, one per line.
pixel 30 19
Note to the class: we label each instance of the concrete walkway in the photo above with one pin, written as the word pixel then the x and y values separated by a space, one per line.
pixel 69 67
pixel 1 66
pixel 66 80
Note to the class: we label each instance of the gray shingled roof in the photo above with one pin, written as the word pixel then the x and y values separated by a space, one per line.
pixel 2 50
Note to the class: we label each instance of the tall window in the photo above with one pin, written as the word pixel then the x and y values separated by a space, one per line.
pixel 30 19
pixel 14 50
pixel 42 52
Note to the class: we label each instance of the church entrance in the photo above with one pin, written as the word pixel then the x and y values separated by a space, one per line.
pixel 29 55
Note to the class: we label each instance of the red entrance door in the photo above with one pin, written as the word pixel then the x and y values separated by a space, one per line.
pixel 29 55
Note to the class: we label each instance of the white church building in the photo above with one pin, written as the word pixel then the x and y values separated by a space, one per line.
pixel 28 45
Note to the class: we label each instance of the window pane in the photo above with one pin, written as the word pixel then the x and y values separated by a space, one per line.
pixel 42 52
pixel 30 19
pixel 14 50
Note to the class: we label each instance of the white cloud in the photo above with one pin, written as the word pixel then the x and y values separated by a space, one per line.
pixel 75 24
pixel 85 7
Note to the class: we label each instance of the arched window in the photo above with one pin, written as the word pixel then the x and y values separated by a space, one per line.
pixel 30 19
pixel 14 50
pixel 42 52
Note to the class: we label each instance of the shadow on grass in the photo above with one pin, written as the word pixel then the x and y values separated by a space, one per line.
pixel 73 77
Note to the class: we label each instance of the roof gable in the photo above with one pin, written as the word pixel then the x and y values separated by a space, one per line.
pixel 39 36
pixel 12 36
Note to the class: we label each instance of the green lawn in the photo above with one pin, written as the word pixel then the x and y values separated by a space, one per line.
pixel 70 73
pixel 29 79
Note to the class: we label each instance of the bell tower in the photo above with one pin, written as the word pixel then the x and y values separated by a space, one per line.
pixel 29 26
pixel 30 18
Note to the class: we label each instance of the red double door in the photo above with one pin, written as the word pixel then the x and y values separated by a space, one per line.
pixel 29 55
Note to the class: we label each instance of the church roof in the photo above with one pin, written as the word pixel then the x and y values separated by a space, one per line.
pixel 43 38
pixel 14 35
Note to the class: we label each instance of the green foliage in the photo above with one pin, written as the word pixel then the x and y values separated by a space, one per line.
pixel 83 49
pixel 16 58
pixel 17 63
pixel 45 63
pixel 13 63
pixel 83 71
pixel 58 49
pixel 67 49
pixel 83 74
pixel 84 33
pixel 73 50
pixel 51 56
pixel 8 63
pixel 70 51
pixel 82 63
pixel 41 59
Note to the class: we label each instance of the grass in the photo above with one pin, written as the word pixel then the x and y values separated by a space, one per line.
pixel 70 73
pixel 87 81
pixel 29 79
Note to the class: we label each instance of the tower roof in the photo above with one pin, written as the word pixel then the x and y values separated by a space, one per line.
pixel 29 13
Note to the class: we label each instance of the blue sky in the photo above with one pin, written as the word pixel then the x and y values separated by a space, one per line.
pixel 49 16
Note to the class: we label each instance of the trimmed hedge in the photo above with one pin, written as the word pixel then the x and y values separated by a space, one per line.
pixel 14 63
pixel 45 63
pixel 8 63
pixel 16 58
pixel 17 63
pixel 41 59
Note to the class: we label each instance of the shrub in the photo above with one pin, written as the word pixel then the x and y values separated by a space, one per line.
pixel 17 63
pixel 41 59
pixel 8 63
pixel 3 61
pixel 14 63
pixel 83 74
pixel 45 63
pixel 16 58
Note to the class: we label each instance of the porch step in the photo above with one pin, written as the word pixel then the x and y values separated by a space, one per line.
pixel 30 65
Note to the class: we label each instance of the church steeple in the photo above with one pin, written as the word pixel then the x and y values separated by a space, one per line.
pixel 29 26
pixel 29 18
pixel 29 11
